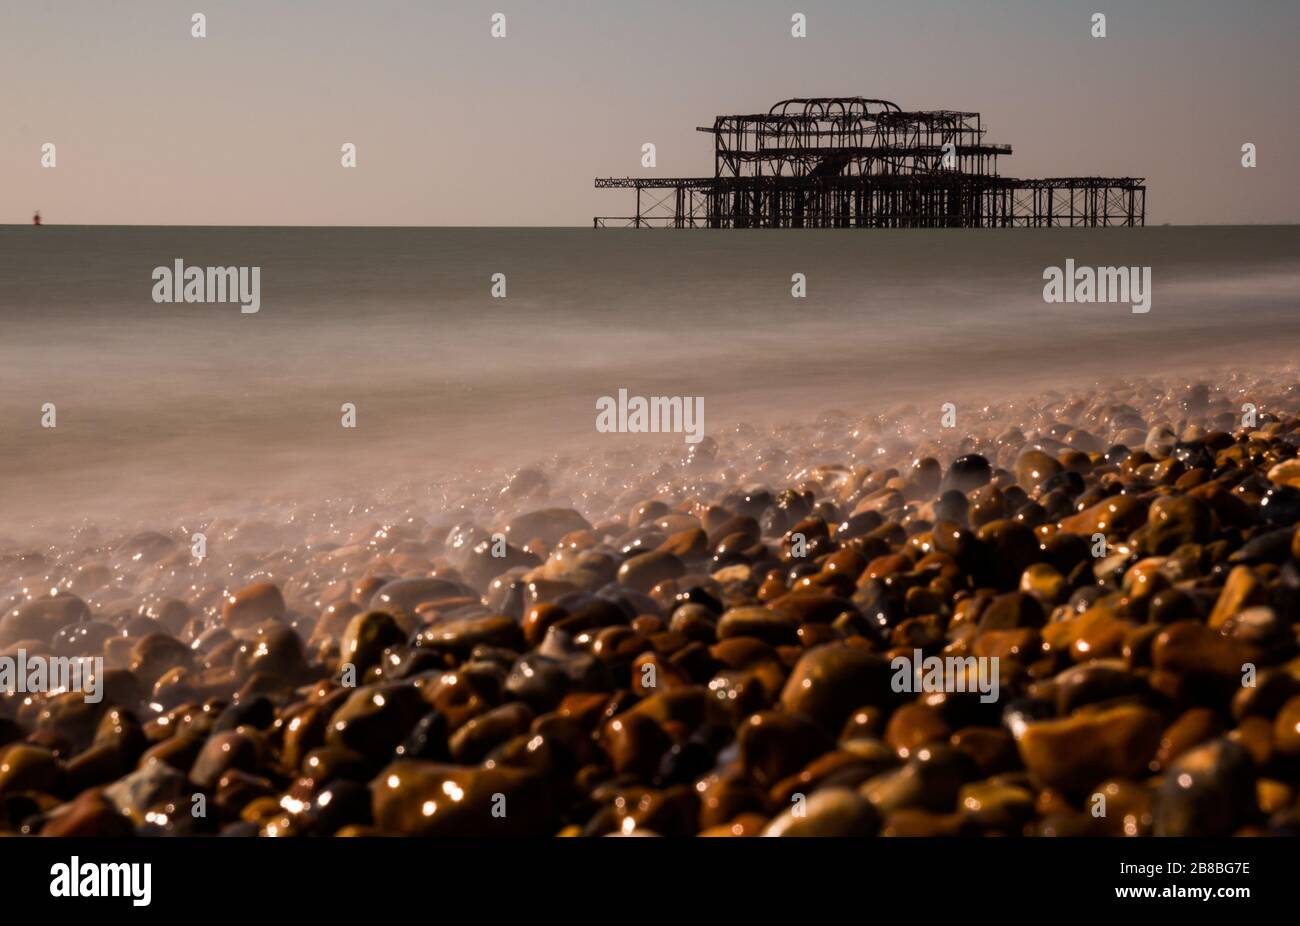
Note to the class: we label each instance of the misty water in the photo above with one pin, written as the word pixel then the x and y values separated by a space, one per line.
pixel 166 411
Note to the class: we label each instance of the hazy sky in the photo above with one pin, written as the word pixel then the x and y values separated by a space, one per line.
pixel 454 127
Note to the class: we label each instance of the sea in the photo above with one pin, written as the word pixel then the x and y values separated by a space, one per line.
pixel 166 408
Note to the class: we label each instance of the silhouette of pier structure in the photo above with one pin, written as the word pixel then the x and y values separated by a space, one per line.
pixel 853 162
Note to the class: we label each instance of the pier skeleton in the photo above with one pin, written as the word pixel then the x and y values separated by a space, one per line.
pixel 853 162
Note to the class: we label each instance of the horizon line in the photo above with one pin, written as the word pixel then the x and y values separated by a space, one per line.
pixel 45 224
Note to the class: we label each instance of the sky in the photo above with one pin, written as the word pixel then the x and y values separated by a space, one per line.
pixel 455 127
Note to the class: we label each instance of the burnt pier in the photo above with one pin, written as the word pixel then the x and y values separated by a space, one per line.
pixel 853 162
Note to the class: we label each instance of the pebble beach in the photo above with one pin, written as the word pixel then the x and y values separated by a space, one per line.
pixel 697 639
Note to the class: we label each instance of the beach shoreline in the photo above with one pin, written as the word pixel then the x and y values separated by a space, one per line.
pixel 683 641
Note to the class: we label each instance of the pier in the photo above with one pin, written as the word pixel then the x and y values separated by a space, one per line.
pixel 853 162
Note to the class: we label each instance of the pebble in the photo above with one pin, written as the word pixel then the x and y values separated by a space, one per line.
pixel 930 780
pixel 1280 506
pixel 1286 729
pixel 1241 590
pixel 827 812
pixel 251 605
pixel 413 797
pixel 1116 515
pixel 462 636
pixel 775 744
pixel 40 618
pixel 480 735
pixel 1208 791
pixel 991 749
pixel 151 784
pixel 221 753
pixel 830 682
pixel 1174 520
pixel 1033 468
pixel 549 525
pixel 28 768
pixel 406 595
pixel 351 670
pixel 1192 727
pixel 1095 682
pixel 1080 751
pixel 689 544
pixel 761 623
pixel 1193 649
pixel 1002 807
pixel 1012 611
pixel 967 473
pixel 646 570
pixel 89 814
pixel 366 637
pixel 915 724
pixel 913 823
pixel 375 719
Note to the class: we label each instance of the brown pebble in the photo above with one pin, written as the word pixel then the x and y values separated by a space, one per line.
pixel 1286 728
pixel 417 798
pixel 1240 591
pixel 913 724
pixel 1079 752
pixel 89 814
pixel 251 605
pixel 831 682
pixel 774 745
pixel 827 812
pixel 1193 726
pixel 28 768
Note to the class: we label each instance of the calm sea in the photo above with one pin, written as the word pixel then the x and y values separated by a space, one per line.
pixel 164 407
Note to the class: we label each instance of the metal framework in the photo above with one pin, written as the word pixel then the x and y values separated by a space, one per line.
pixel 852 162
